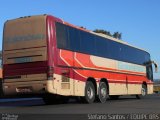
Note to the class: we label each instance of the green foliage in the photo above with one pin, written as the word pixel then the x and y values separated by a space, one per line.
pixel 102 31
pixel 115 34
pixel 82 27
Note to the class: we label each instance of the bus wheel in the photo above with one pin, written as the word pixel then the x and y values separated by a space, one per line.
pixel 143 92
pixel 89 92
pixel 103 92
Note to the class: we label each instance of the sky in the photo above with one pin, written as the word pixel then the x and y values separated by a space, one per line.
pixel 137 20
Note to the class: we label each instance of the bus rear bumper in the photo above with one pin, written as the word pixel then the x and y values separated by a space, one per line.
pixel 57 86
pixel 31 87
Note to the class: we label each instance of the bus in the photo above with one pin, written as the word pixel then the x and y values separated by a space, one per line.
pixel 44 55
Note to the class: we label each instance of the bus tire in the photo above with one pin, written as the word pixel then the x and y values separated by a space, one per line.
pixel 89 92
pixel 143 92
pixel 103 92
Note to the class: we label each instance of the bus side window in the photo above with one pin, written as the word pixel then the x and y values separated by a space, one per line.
pixel 62 36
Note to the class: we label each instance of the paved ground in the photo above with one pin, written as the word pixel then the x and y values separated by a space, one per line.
pixel 150 104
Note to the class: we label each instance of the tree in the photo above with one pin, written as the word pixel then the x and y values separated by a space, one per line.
pixel 115 35
pixel 82 27
pixel 102 31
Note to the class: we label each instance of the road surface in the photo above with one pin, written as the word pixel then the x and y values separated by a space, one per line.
pixel 124 105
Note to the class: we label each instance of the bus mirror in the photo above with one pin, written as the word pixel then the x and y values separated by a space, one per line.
pixel 155 65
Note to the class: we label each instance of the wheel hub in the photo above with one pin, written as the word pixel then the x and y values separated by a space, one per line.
pixel 90 92
pixel 143 92
pixel 103 92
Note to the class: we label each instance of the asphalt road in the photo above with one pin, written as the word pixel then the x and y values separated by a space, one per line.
pixel 127 104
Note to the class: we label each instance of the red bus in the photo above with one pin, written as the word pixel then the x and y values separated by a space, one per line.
pixel 48 56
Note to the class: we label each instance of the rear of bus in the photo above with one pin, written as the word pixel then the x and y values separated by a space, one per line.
pixel 25 59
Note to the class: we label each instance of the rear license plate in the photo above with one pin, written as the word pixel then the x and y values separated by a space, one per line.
pixel 24 89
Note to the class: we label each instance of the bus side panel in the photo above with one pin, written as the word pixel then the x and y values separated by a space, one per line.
pixel 84 68
pixel 64 76
pixel 73 69
pixel 119 82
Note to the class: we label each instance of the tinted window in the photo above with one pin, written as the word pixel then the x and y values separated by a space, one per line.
pixel 80 41
pixel 114 50
pixel 61 35
pixel 101 47
pixel 74 39
pixel 87 43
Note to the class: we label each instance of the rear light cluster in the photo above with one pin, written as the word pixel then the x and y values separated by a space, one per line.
pixel 50 73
